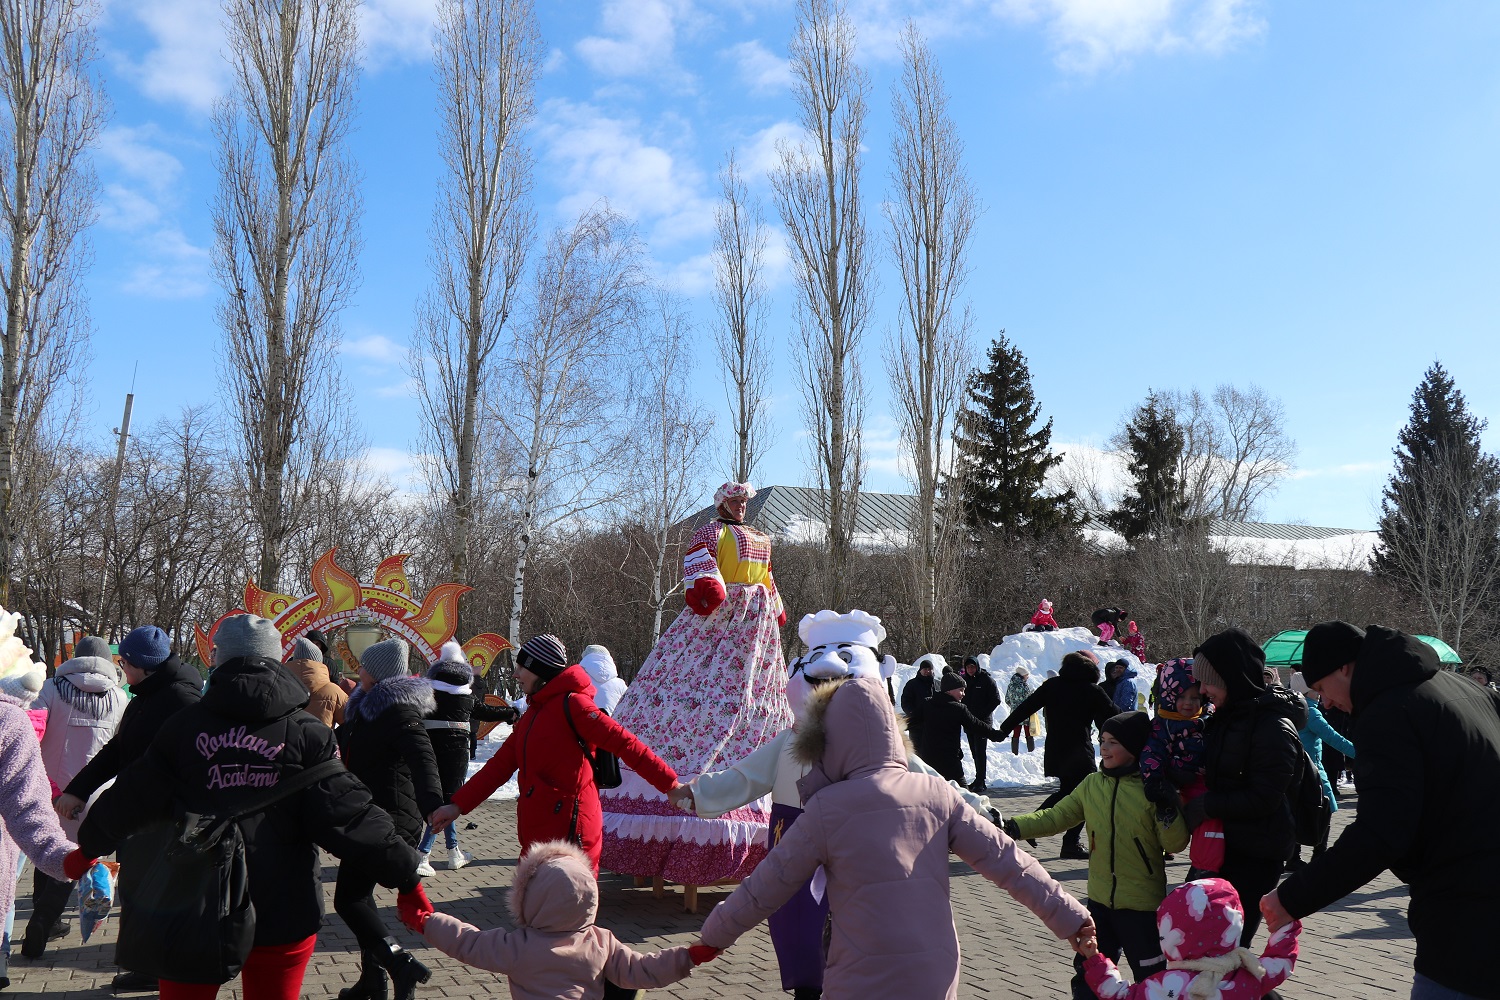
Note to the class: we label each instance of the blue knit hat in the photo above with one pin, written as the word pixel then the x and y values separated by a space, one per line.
pixel 146 648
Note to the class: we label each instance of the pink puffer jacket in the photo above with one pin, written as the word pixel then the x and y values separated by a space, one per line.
pixel 555 952
pixel 883 835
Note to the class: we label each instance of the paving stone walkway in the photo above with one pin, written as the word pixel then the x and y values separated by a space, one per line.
pixel 1358 949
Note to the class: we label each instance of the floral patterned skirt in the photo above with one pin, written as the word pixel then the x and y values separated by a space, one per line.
pixel 712 691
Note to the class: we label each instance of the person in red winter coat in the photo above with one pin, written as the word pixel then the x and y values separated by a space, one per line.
pixel 559 800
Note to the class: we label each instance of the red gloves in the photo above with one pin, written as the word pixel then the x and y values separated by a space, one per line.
pixel 701 953
pixel 75 865
pixel 705 595
pixel 781 618
pixel 414 908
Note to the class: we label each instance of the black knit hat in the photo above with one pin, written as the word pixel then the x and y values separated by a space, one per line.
pixel 1238 660
pixel 452 667
pixel 953 682
pixel 1328 646
pixel 1132 729
pixel 544 655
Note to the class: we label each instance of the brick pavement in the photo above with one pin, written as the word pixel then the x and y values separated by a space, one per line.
pixel 1359 949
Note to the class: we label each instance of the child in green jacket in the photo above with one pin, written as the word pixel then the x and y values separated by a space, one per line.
pixel 1127 868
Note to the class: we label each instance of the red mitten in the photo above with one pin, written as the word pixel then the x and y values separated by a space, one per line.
pixel 75 865
pixel 781 618
pixel 705 595
pixel 414 908
pixel 701 953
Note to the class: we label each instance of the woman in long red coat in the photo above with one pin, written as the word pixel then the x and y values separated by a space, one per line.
pixel 558 800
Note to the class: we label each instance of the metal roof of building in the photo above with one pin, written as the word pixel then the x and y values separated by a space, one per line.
pixel 789 510
pixel 1277 532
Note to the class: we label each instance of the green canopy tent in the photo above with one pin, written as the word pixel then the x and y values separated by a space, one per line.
pixel 1284 649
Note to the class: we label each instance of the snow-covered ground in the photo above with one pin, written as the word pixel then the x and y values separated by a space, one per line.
pixel 484 752
pixel 1038 652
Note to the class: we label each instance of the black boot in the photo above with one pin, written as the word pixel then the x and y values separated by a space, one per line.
pixel 371 982
pixel 807 994
pixel 133 982
pixel 406 972
pixel 1072 849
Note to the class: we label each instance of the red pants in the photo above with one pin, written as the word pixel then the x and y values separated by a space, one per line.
pixel 272 972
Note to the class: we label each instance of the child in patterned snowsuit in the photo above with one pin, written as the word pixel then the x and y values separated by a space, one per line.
pixel 1193 923
pixel 1172 764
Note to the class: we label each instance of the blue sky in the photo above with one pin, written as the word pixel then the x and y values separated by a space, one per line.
pixel 1177 193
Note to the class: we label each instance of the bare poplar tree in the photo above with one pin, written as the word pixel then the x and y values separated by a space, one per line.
pixel 565 390
pixel 739 289
pixel 53 113
pixel 1236 450
pixel 931 213
pixel 817 192
pixel 487 60
pixel 669 433
pixel 286 227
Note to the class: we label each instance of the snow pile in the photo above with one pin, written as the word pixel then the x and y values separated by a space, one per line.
pixel 1038 652
pixel 483 752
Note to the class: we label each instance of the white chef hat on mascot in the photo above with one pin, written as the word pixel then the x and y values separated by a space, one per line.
pixel 838 645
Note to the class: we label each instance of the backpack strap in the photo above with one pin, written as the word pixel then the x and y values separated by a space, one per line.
pixel 583 745
pixel 282 789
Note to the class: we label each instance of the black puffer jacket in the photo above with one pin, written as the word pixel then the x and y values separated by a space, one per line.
pixel 982 696
pixel 1072 702
pixel 448 728
pixel 386 746
pixel 1253 757
pixel 161 694
pixel 247 731
pixel 1427 771
pixel 942 723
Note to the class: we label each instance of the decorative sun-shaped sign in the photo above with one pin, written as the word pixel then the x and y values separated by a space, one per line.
pixel 339 600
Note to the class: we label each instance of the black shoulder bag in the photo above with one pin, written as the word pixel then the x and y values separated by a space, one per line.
pixel 605 764
pixel 196 919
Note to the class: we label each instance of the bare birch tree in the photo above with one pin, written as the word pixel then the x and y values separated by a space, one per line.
pixel 566 387
pixel 931 213
pixel 487 60
pixel 739 290
pixel 669 432
pixel 286 227
pixel 816 185
pixel 53 113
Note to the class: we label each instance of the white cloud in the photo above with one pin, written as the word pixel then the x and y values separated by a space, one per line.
pixel 142 195
pixel 399 467
pixel 184 63
pixel 602 157
pixel 762 69
pixel 760 155
pixel 374 348
pixel 1337 471
pixel 887 466
pixel 639 38
pixel 1091 35
pixel 396 31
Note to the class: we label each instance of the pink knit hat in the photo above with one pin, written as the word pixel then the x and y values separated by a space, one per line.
pixel 1201 919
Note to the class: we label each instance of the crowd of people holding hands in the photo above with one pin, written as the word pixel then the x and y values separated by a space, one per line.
pixel 1214 769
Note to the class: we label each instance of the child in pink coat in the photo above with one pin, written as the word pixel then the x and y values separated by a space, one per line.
pixel 1199 926
pixel 556 952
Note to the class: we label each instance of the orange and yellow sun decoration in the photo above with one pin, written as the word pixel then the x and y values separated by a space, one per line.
pixel 338 600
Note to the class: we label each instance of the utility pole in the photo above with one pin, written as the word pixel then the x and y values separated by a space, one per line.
pixel 112 530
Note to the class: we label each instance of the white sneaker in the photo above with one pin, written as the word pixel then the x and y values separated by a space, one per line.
pixel 425 868
pixel 457 859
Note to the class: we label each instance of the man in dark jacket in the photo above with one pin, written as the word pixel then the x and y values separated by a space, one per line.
pixel 1252 760
pixel 982 697
pixel 248 731
pixel 944 719
pixel 161 685
pixel 1071 702
pixel 1427 801
pixel 914 695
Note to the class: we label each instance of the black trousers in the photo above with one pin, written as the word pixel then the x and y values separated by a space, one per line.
pixel 1130 931
pixel 1066 784
pixel 979 747
pixel 354 901
pixel 1252 878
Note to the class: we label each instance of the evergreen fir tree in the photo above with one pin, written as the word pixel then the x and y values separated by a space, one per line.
pixel 1444 484
pixel 1004 457
pixel 1157 501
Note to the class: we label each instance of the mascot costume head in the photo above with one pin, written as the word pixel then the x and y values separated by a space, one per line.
pixel 838 646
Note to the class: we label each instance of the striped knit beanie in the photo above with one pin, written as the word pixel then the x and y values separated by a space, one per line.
pixel 544 655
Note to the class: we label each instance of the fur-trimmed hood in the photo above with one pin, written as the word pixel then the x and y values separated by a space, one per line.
pixel 847 730
pixel 404 690
pixel 554 890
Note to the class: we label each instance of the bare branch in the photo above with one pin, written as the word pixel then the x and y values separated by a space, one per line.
pixel 739 254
